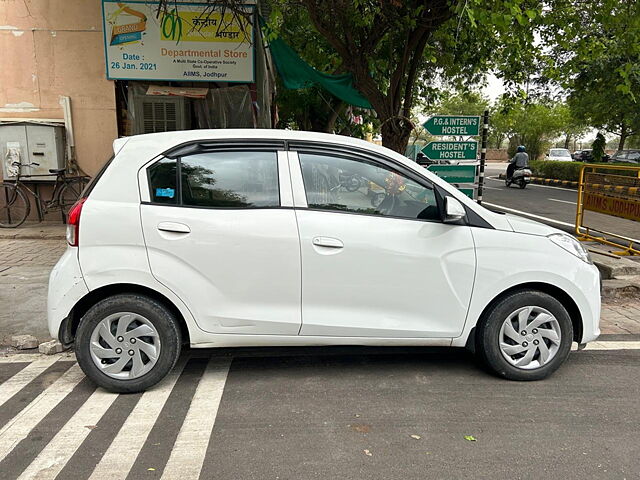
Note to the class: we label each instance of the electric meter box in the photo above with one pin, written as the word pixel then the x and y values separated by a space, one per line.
pixel 38 147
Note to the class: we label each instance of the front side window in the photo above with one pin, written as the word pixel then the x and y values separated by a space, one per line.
pixel 235 179
pixel 360 186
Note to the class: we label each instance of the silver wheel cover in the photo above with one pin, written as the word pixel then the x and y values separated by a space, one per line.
pixel 125 346
pixel 530 337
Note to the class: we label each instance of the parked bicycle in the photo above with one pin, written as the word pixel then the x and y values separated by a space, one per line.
pixel 15 205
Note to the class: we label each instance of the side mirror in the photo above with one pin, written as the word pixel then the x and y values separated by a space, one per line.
pixel 453 210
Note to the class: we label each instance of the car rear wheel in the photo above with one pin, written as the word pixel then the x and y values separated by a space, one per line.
pixel 127 343
pixel 526 335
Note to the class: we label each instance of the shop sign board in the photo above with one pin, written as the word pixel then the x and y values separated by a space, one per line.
pixel 191 42
pixel 453 125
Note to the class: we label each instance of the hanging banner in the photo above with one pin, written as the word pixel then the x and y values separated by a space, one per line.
pixel 191 42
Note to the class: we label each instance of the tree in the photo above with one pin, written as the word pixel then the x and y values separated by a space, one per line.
pixel 532 124
pixel 392 47
pixel 595 55
pixel 598 146
pixel 467 102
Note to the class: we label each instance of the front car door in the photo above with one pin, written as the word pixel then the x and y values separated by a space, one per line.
pixel 377 260
pixel 221 234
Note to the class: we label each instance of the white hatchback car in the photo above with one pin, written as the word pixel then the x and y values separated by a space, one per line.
pixel 219 238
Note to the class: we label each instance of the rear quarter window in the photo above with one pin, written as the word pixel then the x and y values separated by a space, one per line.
pixel 162 182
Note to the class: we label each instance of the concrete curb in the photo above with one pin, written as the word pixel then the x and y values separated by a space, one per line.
pixel 548 181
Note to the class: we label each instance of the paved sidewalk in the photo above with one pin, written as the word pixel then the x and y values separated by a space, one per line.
pixel 25 265
pixel 620 316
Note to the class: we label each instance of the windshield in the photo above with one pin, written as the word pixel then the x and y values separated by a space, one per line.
pixel 559 152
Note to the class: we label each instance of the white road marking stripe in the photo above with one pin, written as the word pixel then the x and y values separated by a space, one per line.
pixel 190 448
pixel 61 448
pixel 561 201
pixel 32 357
pixel 19 427
pixel 611 345
pixel 16 383
pixel 530 215
pixel 123 451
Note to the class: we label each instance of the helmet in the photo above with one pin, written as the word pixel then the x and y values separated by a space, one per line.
pixel 521 148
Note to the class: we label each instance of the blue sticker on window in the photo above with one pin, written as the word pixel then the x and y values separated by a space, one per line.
pixel 165 192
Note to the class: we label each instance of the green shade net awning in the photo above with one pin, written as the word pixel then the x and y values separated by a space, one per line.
pixel 296 74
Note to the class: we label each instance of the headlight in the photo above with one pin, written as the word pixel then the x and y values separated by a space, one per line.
pixel 571 245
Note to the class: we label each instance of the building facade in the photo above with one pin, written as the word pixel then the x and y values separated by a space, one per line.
pixel 57 49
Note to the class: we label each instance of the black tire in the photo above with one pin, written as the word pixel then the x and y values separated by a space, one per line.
pixel 14 206
pixel 507 183
pixel 522 184
pixel 163 321
pixel 488 335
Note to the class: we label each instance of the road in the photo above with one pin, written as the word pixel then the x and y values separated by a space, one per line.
pixel 325 413
pixel 552 203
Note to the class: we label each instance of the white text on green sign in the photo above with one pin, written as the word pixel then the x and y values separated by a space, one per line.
pixel 453 125
pixel 451 150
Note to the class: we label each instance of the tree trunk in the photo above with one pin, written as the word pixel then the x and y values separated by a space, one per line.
pixel 623 137
pixel 395 135
pixel 336 111
pixel 567 140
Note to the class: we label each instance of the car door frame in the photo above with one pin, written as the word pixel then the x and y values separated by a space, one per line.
pixel 285 193
pixel 300 198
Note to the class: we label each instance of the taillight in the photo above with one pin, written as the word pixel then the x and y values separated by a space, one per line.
pixel 73 222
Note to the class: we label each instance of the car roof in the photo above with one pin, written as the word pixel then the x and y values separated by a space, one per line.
pixel 157 143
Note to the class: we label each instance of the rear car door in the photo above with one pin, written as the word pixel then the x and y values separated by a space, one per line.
pixel 221 233
pixel 377 260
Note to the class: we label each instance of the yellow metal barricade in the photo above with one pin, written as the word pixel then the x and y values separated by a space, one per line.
pixel 601 191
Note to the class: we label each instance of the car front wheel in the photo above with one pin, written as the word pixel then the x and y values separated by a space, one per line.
pixel 526 335
pixel 127 343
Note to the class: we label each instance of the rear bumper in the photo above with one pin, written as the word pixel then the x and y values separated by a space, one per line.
pixel 66 288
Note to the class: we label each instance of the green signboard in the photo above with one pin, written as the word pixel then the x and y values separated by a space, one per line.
pixel 455 173
pixel 451 150
pixel 453 125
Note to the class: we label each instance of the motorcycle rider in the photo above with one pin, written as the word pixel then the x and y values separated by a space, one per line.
pixel 519 160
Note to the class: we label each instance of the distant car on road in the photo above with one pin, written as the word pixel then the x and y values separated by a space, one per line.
pixel 576 155
pixel 559 155
pixel 230 238
pixel 626 156
pixel 587 156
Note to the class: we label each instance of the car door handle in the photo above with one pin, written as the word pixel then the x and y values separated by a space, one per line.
pixel 328 242
pixel 174 227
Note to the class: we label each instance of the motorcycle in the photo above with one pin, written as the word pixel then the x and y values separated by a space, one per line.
pixel 521 177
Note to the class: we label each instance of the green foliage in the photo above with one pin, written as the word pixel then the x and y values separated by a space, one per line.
pixel 595 55
pixel 467 102
pixel 533 125
pixel 567 170
pixel 556 170
pixel 396 50
pixel 598 147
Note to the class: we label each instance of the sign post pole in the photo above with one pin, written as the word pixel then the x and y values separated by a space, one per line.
pixel 483 153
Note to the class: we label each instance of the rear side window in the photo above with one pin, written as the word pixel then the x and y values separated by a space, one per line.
pixel 162 181
pixel 221 179
pixel 235 179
